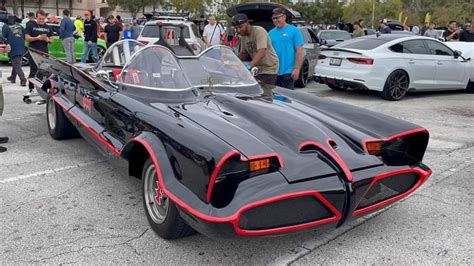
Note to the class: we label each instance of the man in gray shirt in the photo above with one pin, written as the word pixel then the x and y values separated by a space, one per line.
pixel 431 32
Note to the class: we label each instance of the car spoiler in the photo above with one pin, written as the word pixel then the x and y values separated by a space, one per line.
pixel 341 50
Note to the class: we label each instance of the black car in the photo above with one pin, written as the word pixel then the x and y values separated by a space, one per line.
pixel 224 155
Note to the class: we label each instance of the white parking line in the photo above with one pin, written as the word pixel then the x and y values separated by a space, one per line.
pixel 49 171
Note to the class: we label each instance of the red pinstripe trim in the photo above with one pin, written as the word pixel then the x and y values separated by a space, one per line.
pixel 228 155
pixel 234 218
pixel 399 135
pixel 331 152
pixel 84 124
pixel 216 171
pixel 423 175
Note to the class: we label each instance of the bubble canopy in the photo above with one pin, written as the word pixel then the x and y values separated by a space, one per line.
pixel 157 68
pixel 119 54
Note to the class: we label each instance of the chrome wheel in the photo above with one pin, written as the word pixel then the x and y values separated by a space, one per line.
pixel 51 114
pixel 156 202
pixel 398 85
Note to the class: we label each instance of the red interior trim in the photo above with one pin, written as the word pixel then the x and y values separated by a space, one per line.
pixel 234 219
pixel 399 135
pixel 423 175
pixel 331 152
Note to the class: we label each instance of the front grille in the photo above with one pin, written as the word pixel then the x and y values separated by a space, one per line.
pixel 293 211
pixel 387 188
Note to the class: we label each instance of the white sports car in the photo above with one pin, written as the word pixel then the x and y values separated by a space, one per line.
pixel 394 64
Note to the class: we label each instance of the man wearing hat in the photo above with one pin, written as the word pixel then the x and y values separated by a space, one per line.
pixel 254 42
pixel 113 31
pixel 288 43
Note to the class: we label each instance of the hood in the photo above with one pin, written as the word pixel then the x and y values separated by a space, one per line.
pixel 256 125
pixel 260 14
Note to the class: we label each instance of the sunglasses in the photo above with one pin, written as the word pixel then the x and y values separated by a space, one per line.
pixel 277 17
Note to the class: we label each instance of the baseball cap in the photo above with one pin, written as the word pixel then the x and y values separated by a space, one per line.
pixel 239 19
pixel 110 17
pixel 279 10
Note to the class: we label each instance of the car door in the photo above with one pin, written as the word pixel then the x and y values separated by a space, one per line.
pixel 450 71
pixel 419 62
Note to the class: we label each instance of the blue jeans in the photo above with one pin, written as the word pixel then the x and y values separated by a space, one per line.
pixel 85 52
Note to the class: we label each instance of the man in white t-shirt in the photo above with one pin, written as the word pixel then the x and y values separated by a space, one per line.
pixel 213 32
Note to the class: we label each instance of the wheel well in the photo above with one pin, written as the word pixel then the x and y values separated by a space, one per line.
pixel 137 157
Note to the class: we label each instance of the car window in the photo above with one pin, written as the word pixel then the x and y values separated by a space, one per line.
pixel 306 37
pixel 152 31
pixel 335 35
pixel 438 48
pixel 410 47
pixel 361 43
pixel 195 31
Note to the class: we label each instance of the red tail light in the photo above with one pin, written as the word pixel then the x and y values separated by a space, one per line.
pixel 144 42
pixel 321 57
pixel 362 61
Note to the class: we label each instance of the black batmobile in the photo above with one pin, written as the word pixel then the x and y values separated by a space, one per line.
pixel 223 155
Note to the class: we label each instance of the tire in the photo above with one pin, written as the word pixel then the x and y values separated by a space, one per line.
pixel 470 87
pixel 59 126
pixel 163 216
pixel 302 80
pixel 336 88
pixel 396 86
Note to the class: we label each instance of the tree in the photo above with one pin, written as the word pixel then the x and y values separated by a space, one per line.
pixel 133 6
pixel 193 6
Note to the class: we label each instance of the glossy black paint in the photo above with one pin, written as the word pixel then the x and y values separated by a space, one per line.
pixel 190 131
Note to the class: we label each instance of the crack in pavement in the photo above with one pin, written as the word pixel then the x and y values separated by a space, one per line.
pixel 125 243
pixel 19 206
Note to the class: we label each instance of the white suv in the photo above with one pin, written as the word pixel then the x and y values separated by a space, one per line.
pixel 150 33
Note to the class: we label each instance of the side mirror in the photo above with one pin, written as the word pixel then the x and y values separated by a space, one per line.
pixel 102 74
pixel 457 54
pixel 323 41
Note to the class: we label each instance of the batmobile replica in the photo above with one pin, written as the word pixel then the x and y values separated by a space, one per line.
pixel 220 153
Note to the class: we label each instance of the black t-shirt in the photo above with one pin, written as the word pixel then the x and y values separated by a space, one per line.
pixel 447 33
pixel 113 32
pixel 34 29
pixel 466 36
pixel 90 30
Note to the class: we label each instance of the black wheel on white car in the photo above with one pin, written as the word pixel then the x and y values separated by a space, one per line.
pixel 161 212
pixel 396 86
pixel 59 126
pixel 470 87
pixel 302 80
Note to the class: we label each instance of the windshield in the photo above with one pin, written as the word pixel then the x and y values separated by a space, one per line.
pixel 217 66
pixel 153 31
pixel 156 67
pixel 335 35
pixel 119 54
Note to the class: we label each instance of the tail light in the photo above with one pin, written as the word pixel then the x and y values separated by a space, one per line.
pixel 321 57
pixel 144 42
pixel 194 46
pixel 362 61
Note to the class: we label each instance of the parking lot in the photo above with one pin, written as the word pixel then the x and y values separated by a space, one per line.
pixel 63 203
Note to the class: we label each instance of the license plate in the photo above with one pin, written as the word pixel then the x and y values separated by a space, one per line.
pixel 335 61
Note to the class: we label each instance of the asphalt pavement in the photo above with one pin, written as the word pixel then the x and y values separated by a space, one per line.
pixel 62 202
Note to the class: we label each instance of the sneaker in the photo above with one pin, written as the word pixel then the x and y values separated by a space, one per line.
pixel 23 83
pixel 3 139
pixel 10 78
pixel 2 149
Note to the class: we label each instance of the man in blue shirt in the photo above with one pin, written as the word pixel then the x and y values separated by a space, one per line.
pixel 66 34
pixel 287 41
pixel 16 38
